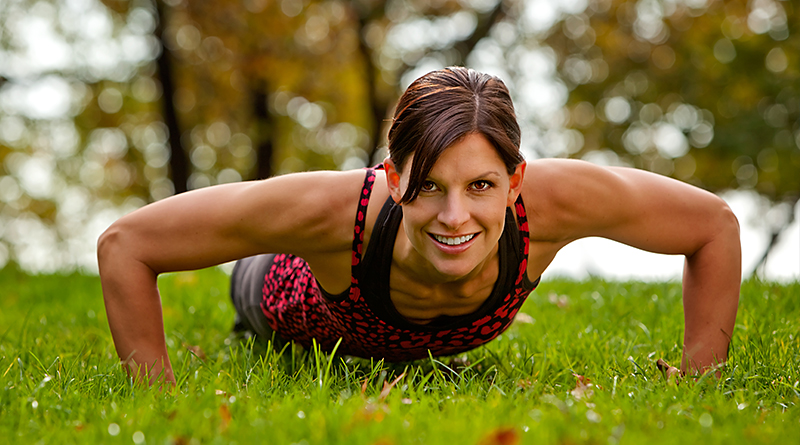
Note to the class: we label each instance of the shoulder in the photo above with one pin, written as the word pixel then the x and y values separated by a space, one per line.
pixel 561 194
pixel 571 199
pixel 563 178
pixel 319 206
pixel 303 214
pixel 298 213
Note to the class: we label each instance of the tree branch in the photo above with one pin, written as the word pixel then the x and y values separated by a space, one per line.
pixel 760 268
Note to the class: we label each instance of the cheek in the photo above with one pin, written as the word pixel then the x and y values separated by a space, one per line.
pixel 493 214
pixel 414 220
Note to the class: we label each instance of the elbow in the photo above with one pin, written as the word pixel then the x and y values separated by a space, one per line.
pixel 118 244
pixel 723 233
pixel 717 229
pixel 107 244
pixel 717 250
pixel 727 222
pixel 122 247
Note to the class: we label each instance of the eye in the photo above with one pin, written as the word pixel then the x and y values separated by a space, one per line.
pixel 481 185
pixel 428 186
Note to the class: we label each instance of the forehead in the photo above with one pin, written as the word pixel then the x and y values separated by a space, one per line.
pixel 470 157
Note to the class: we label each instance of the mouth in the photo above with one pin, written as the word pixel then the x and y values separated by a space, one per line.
pixel 453 241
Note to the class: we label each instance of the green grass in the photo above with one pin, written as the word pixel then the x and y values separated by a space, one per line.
pixel 60 381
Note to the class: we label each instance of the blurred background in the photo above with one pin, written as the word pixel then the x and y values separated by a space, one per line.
pixel 106 105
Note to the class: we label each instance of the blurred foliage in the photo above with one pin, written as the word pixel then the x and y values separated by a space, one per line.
pixel 707 92
pixel 702 90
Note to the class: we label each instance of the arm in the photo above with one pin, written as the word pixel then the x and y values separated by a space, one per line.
pixel 309 215
pixel 657 214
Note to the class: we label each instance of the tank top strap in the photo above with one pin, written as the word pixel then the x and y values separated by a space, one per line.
pixel 522 223
pixel 361 217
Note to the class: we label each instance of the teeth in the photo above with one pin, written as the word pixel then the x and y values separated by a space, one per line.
pixel 453 241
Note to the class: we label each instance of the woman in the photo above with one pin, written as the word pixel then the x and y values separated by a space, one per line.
pixel 449 239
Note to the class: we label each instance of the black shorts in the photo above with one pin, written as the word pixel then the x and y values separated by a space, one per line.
pixel 247 283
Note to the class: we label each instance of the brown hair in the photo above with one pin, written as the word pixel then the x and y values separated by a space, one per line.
pixel 443 106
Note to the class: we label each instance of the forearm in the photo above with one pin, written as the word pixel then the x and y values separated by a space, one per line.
pixel 133 307
pixel 711 283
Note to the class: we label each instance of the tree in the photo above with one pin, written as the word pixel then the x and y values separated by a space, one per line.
pixel 187 94
pixel 706 92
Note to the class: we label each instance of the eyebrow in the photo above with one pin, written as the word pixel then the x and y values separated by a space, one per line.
pixel 484 175
pixel 478 177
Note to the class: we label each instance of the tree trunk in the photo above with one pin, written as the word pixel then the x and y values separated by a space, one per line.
pixel 759 269
pixel 485 23
pixel 264 131
pixel 378 107
pixel 178 161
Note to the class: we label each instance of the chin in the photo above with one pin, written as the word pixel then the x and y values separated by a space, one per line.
pixel 455 269
pixel 458 265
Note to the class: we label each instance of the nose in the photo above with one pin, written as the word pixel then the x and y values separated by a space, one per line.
pixel 455 211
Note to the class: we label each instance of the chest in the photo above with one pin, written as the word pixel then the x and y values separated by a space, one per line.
pixel 420 303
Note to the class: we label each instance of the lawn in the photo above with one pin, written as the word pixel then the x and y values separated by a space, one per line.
pixel 580 367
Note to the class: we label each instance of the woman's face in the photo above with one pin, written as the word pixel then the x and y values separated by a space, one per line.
pixel 457 219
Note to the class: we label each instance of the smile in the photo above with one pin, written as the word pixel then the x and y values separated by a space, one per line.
pixel 453 241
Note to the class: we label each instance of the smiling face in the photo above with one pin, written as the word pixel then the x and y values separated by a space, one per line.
pixel 452 228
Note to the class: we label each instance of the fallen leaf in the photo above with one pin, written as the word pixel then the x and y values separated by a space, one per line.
pixel 525 383
pixel 501 436
pixel 225 415
pixel 196 350
pixel 583 388
pixel 387 387
pixel 669 372
pixel 373 412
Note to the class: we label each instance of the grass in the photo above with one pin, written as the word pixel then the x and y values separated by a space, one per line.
pixel 60 381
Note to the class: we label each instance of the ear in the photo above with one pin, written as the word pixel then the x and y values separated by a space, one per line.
pixel 393 180
pixel 515 183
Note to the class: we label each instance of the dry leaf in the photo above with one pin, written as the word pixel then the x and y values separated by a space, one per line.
pixel 668 371
pixel 387 387
pixel 196 350
pixel 583 388
pixel 372 412
pixel 525 383
pixel 225 415
pixel 501 436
